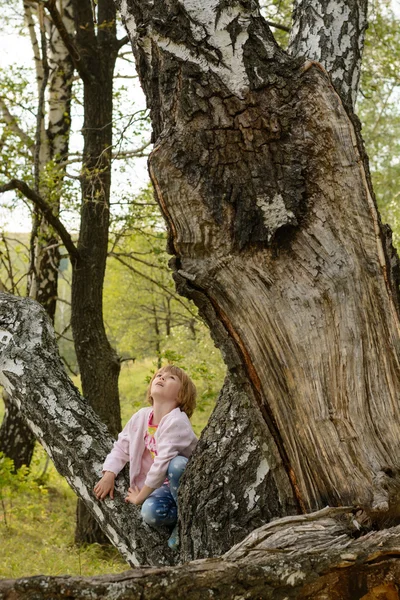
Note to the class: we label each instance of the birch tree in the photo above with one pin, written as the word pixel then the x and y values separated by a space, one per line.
pixel 48 154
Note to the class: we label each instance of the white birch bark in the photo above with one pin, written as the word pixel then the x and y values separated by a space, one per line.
pixel 332 32
pixel 54 142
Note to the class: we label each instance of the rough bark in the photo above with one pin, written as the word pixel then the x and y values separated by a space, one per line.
pixel 282 247
pixel 332 33
pixel 313 557
pixel 16 439
pixel 71 432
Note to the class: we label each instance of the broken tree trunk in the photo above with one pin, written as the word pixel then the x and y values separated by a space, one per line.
pixel 261 175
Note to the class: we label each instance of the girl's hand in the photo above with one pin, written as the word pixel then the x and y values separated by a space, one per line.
pixel 133 495
pixel 105 486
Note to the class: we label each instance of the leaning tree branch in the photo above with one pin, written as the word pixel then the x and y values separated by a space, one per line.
pixel 278 26
pixel 41 204
pixel 73 435
pixel 310 557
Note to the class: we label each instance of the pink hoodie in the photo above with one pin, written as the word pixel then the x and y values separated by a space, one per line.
pixel 174 436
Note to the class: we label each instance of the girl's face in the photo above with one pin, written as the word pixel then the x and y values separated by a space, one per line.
pixel 165 386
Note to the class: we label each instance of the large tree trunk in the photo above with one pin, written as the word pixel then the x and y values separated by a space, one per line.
pixel 312 557
pixel 283 247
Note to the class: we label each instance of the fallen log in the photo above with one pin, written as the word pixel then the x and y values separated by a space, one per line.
pixel 314 556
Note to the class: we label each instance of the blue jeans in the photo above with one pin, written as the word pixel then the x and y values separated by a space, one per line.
pixel 161 507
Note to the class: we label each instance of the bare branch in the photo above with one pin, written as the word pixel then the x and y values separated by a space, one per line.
pixel 133 257
pixel 12 122
pixel 52 219
pixel 74 372
pixel 138 152
pixel 63 332
pixel 122 42
pixel 278 26
pixel 157 283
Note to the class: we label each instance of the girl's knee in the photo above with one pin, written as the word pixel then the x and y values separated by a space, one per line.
pixel 148 512
pixel 158 513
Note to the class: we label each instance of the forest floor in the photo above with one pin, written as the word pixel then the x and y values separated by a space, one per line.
pixel 37 512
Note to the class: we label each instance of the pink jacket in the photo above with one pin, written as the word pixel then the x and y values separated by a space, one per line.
pixel 174 436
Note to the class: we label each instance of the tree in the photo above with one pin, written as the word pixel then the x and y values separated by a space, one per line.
pixel 284 254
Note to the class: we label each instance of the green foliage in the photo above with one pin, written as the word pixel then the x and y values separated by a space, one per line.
pixel 38 536
pixel 15 485
pixel 379 109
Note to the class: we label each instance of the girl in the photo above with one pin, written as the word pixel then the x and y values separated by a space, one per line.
pixel 157 442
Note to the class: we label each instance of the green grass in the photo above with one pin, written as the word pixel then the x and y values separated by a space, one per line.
pixel 37 527
pixel 37 531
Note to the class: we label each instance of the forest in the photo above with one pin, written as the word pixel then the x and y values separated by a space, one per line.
pixel 212 185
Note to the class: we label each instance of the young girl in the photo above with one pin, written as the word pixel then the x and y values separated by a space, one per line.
pixel 157 441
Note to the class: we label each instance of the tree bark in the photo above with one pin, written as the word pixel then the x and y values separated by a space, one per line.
pixel 282 248
pixel 311 557
pixel 333 35
pixel 283 251
pixel 16 439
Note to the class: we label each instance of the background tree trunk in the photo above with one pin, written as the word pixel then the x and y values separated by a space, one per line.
pixel 282 246
pixel 16 439
pixel 333 35
pixel 98 363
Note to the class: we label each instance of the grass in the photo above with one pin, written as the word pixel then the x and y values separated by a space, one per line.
pixel 37 525
pixel 37 532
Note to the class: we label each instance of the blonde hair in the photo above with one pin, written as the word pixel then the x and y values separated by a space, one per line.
pixel 187 393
